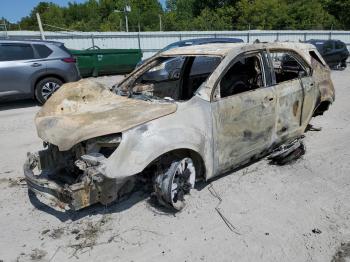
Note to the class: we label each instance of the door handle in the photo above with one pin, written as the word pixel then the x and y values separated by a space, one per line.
pixel 35 64
pixel 268 98
pixel 267 101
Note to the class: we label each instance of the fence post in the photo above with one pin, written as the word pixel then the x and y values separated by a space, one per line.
pixel 138 39
pixel 92 40
pixel 180 37
pixel 305 36
pixel 277 36
pixel 248 37
pixel 330 35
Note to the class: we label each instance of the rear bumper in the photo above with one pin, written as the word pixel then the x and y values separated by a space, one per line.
pixel 75 196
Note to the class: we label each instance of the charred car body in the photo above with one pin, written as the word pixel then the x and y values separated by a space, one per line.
pixel 174 121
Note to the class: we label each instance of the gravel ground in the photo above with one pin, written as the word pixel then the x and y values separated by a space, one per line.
pixel 297 212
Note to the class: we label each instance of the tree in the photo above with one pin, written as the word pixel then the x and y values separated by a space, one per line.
pixel 340 10
pixel 261 14
pixel 309 15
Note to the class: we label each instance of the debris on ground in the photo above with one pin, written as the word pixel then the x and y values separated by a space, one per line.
pixel 343 253
pixel 287 153
pixel 37 254
pixel 311 127
pixel 45 231
pixel 57 233
pixel 87 238
pixel 316 231
pixel 217 208
pixel 19 181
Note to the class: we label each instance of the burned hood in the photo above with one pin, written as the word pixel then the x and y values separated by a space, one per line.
pixel 86 109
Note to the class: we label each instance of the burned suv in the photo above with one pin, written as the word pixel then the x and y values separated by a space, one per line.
pixel 189 113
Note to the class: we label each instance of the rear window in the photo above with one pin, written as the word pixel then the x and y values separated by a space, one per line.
pixel 339 45
pixel 43 50
pixel 13 52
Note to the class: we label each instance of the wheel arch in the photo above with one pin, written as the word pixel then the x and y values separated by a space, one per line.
pixel 41 77
pixel 322 107
pixel 196 157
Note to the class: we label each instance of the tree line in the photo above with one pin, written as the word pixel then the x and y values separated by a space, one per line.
pixel 188 15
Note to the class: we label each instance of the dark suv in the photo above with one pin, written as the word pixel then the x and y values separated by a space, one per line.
pixel 34 69
pixel 334 52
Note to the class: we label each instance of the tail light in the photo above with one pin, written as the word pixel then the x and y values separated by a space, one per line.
pixel 69 60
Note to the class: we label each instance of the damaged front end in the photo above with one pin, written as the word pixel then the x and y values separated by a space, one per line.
pixel 75 178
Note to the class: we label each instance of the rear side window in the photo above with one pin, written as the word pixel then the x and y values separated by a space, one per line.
pixel 339 45
pixel 14 52
pixel 288 66
pixel 328 46
pixel 316 57
pixel 43 50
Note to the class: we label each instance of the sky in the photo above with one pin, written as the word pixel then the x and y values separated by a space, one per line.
pixel 14 10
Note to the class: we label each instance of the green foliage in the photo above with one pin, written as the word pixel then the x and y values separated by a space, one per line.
pixel 108 15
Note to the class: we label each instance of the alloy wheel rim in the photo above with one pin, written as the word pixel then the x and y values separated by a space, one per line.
pixel 48 89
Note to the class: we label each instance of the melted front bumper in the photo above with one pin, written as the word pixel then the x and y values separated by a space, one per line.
pixel 76 196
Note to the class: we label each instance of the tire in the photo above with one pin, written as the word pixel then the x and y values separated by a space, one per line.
pixel 46 87
pixel 174 184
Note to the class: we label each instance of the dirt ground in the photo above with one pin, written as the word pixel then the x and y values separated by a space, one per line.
pixel 297 212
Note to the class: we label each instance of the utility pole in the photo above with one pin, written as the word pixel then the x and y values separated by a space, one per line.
pixel 160 22
pixel 40 27
pixel 126 23
pixel 127 10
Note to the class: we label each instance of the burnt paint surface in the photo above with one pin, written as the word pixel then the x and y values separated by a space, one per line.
pixel 223 132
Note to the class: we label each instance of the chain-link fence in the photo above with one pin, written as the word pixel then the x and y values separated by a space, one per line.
pixel 151 42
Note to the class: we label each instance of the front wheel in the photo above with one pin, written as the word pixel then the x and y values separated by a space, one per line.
pixel 46 87
pixel 174 184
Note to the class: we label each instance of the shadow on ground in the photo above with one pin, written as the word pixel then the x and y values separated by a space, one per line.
pixel 8 105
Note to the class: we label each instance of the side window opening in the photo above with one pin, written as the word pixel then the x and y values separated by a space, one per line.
pixel 175 78
pixel 287 66
pixel 43 50
pixel 16 52
pixel 339 45
pixel 316 57
pixel 244 75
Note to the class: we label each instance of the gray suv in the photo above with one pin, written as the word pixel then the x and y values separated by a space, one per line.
pixel 34 69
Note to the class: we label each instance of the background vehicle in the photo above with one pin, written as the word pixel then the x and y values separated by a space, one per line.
pixel 195 41
pixel 34 69
pixel 334 52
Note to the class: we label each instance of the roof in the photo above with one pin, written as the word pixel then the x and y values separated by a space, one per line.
pixel 29 41
pixel 194 41
pixel 222 49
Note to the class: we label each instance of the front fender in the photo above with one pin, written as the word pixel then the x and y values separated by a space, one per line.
pixel 188 128
pixel 140 147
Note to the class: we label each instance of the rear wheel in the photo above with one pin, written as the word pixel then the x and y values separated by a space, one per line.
pixel 174 184
pixel 46 87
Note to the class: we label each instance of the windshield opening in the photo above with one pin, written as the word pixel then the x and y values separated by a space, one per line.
pixel 173 78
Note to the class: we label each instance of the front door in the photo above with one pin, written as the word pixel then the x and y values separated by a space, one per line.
pixel 244 113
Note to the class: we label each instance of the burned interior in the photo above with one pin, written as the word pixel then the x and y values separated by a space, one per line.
pixel 173 78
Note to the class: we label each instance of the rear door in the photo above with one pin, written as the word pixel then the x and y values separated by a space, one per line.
pixel 17 66
pixel 294 85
